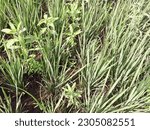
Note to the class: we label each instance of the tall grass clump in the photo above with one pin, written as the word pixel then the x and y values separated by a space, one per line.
pixel 26 11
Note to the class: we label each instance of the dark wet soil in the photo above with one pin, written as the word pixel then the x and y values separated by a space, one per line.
pixel 27 102
pixel 33 87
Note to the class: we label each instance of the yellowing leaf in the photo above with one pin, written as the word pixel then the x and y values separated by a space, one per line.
pixel 12 26
pixel 7 31
pixel 10 43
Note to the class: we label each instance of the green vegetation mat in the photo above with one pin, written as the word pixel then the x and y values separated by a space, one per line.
pixel 74 56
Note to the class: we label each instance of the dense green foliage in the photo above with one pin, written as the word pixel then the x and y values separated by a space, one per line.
pixel 74 56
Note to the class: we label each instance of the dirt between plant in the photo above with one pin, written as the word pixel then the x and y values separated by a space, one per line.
pixel 27 102
pixel 33 87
